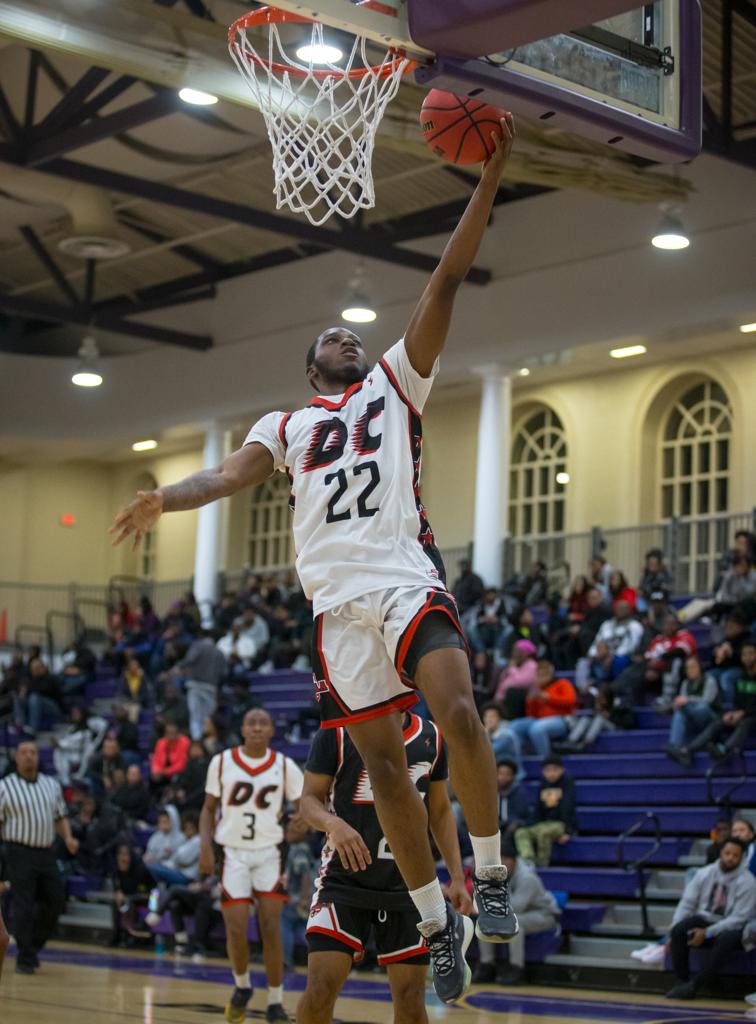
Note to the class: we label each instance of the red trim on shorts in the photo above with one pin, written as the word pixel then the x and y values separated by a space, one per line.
pixel 403 702
pixel 272 895
pixel 241 899
pixel 412 629
pixel 408 954
pixel 413 730
pixel 282 429
pixel 267 763
pixel 318 930
pixel 395 384
pixel 329 684
pixel 325 403
pixel 439 745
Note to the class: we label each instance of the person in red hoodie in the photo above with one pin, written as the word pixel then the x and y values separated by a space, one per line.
pixel 169 756
pixel 547 706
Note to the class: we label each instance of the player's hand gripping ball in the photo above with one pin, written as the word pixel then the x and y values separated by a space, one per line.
pixel 458 128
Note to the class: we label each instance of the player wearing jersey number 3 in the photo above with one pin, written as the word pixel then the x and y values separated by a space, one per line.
pixel 245 791
pixel 385 625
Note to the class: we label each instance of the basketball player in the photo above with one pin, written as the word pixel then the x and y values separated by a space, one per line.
pixel 244 796
pixel 359 888
pixel 385 625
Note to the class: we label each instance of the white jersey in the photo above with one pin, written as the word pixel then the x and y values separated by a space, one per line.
pixel 354 465
pixel 252 792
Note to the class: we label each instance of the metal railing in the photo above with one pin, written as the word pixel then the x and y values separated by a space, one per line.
pixel 724 800
pixel 637 865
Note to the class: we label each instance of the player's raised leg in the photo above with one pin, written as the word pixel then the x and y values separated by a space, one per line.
pixel 443 677
pixel 326 974
pixel 269 922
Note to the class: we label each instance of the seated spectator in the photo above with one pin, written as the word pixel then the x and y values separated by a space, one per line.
pixel 596 614
pixel 189 793
pixel 576 603
pixel 131 883
pixel 300 872
pixel 173 710
pixel 227 611
pixel 169 756
pixel 563 636
pixel 718 901
pixel 166 839
pixel 181 866
pixel 134 688
pixel 743 829
pixel 514 803
pixel 519 675
pixel 133 797
pixel 255 627
pixel 489 628
pixel 238 649
pixel 217 734
pixel 74 747
pixel 744 545
pixel 79 665
pixel 98 826
pixel 662 664
pixel 719 835
pixel 523 630
pixel 147 620
pixel 610 711
pixel 727 655
pixel 497 729
pixel 656 579
pixel 536 911
pixel 467 588
pixel 40 694
pixel 737 590
pixel 547 706
pixel 127 734
pixel 620 589
pixel 696 705
pixel 554 815
pixel 616 642
pixel 599 574
pixel 199 899
pixel 104 765
pixel 727 734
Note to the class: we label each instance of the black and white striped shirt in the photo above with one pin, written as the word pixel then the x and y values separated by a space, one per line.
pixel 29 810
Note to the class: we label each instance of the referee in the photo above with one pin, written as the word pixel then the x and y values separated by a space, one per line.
pixel 32 811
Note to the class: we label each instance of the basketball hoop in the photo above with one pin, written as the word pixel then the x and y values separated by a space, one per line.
pixel 321 120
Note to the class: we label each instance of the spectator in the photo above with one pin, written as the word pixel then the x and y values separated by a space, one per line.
pixel 610 711
pixel 300 874
pixel 620 589
pixel 173 710
pixel 554 815
pixel 169 756
pixel 226 612
pixel 39 694
pixel 616 642
pixel 190 784
pixel 147 620
pixel 166 839
pixel 599 574
pixel 547 706
pixel 718 901
pixel 727 655
pixel 523 630
pixel 737 725
pixel 696 705
pixel 514 804
pixel 134 688
pixel 127 734
pixel 133 797
pixel 131 884
pixel 78 669
pixel 661 665
pixel 745 545
pixel 203 668
pixel 182 865
pixel 744 830
pixel 597 613
pixel 238 649
pixel 256 629
pixel 74 747
pixel 491 627
pixel 536 911
pixel 517 678
pixel 497 729
pixel 576 604
pixel 718 835
pixel 737 590
pixel 104 765
pixel 656 579
pixel 468 587
pixel 199 899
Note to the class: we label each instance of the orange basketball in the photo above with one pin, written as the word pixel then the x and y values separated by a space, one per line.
pixel 458 128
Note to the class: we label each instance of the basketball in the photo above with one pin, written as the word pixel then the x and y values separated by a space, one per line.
pixel 458 128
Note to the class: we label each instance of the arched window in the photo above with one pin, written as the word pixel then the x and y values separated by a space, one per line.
pixel 695 453
pixel 539 455
pixel 270 544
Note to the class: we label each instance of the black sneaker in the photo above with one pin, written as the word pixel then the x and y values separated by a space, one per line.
pixel 236 1008
pixel 497 921
pixel 276 1012
pixel 24 969
pixel 683 990
pixel 447 946
pixel 680 754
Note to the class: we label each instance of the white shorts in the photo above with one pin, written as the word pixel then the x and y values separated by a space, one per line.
pixel 360 648
pixel 251 874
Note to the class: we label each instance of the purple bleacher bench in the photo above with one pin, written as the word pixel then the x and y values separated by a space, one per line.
pixel 609 882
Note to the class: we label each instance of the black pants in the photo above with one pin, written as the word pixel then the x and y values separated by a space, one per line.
pixel 180 901
pixel 37 897
pixel 720 949
pixel 717 730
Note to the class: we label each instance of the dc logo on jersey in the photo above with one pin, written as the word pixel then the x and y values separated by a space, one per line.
pixel 320 686
pixel 242 792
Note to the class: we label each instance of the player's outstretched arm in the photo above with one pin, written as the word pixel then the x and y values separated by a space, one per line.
pixel 206 831
pixel 249 465
pixel 426 335
pixel 342 838
pixel 444 829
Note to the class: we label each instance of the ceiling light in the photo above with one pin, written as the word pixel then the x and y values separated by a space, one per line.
pixel 629 350
pixel 360 314
pixel 524 372
pixel 670 234
pixel 747 328
pixel 563 478
pixel 358 309
pixel 197 97
pixel 87 375
pixel 144 446
pixel 319 53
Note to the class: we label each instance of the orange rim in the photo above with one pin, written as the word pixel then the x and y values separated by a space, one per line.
pixel 274 15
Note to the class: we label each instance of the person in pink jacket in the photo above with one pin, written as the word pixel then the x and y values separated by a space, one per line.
pixel 520 672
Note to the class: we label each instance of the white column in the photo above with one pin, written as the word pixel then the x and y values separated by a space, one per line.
pixel 207 551
pixel 492 473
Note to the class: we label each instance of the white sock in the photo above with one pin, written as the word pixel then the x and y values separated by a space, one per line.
pixel 182 938
pixel 487 850
pixel 430 902
pixel 275 995
pixel 242 980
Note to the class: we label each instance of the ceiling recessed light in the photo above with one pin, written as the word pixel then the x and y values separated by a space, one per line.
pixel 563 478
pixel 319 53
pixel 359 315
pixel 670 233
pixel 524 372
pixel 197 97
pixel 628 350
pixel 144 446
pixel 747 328
pixel 86 379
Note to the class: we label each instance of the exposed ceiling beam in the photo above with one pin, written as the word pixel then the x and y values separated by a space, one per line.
pixel 188 252
pixel 33 309
pixel 746 10
pixel 31 90
pixel 364 243
pixel 72 99
pixel 30 235
pixel 111 92
pixel 8 122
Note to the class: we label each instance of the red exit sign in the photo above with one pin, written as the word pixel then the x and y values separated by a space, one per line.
pixel 67 519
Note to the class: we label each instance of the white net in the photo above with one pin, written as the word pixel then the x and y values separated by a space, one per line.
pixel 321 120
